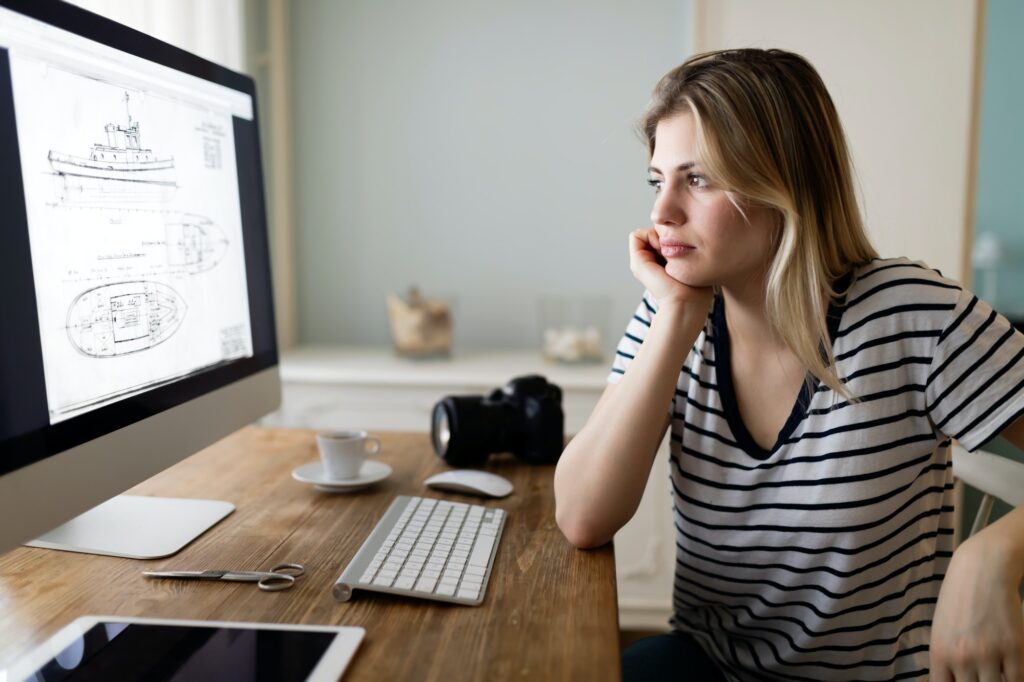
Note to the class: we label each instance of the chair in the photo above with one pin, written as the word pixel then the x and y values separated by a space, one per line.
pixel 992 475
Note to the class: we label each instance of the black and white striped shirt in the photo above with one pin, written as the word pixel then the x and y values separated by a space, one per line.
pixel 821 558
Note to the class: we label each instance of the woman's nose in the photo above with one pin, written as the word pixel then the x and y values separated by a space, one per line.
pixel 667 210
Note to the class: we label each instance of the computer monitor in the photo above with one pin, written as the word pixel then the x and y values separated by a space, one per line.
pixel 136 319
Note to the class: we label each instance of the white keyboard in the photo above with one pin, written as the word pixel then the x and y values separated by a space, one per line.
pixel 428 548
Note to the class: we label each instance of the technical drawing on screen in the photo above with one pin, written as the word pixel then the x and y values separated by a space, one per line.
pixel 134 223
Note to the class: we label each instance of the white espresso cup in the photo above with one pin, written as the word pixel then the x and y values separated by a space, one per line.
pixel 343 452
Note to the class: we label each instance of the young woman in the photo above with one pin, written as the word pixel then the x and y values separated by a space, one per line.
pixel 811 391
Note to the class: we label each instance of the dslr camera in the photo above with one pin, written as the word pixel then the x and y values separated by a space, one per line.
pixel 523 417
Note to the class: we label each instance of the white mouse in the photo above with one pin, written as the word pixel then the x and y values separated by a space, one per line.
pixel 470 481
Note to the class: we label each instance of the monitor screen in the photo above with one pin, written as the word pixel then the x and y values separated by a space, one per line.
pixel 134 261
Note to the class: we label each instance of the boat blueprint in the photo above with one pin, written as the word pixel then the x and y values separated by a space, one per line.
pixel 80 191
pixel 179 244
pixel 126 317
pixel 121 159
pixel 194 244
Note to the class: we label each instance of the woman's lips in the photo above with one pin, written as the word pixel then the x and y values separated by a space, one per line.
pixel 675 249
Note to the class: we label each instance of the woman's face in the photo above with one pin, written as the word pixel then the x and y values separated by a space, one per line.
pixel 704 239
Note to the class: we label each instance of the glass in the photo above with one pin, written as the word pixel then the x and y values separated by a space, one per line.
pixel 573 327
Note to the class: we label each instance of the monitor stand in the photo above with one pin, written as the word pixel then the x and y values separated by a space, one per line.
pixel 136 527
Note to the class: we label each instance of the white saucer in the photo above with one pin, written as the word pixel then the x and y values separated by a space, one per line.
pixel 313 472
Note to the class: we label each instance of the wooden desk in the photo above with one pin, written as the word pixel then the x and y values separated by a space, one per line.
pixel 550 610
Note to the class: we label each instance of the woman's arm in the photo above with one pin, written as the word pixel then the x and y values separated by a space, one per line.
pixel 978 630
pixel 602 473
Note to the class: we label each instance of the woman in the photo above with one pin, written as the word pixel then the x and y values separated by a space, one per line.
pixel 812 417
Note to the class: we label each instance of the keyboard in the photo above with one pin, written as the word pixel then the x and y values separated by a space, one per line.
pixel 427 548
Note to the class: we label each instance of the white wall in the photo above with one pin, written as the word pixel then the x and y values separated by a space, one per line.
pixel 484 150
pixel 480 149
pixel 900 74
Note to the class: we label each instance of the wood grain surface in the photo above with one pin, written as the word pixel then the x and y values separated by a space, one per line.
pixel 550 611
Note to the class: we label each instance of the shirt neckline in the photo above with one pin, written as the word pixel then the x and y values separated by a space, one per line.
pixel 727 393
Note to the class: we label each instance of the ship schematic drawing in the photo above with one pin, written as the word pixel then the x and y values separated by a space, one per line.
pixel 127 317
pixel 115 168
pixel 195 244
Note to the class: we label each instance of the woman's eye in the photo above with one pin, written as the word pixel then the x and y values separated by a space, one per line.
pixel 655 183
pixel 702 182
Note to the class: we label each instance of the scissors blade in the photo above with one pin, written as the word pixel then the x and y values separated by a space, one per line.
pixel 249 576
pixel 197 575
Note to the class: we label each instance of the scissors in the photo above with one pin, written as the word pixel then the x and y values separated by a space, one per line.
pixel 280 577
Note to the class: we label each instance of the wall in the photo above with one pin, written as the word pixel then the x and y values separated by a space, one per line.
pixel 486 151
pixel 477 149
pixel 900 74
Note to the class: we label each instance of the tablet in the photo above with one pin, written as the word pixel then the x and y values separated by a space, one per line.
pixel 130 649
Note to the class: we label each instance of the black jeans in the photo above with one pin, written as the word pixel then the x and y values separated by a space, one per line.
pixel 673 656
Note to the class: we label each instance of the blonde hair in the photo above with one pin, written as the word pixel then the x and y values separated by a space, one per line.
pixel 768 133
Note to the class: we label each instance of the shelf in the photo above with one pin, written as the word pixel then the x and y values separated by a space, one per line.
pixel 379 366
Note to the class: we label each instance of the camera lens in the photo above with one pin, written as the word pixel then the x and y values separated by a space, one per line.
pixel 465 429
pixel 440 430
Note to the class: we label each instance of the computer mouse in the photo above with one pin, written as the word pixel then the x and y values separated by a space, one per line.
pixel 470 481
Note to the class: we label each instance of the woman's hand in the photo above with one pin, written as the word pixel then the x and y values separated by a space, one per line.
pixel 648 266
pixel 977 630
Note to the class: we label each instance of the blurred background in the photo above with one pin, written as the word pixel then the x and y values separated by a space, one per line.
pixel 486 152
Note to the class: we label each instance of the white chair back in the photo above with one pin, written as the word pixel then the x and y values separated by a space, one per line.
pixel 996 477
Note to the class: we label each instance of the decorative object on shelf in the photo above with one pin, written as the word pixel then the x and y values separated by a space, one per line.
pixel 572 327
pixel 420 327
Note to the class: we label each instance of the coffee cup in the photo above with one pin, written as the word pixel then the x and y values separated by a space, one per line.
pixel 343 452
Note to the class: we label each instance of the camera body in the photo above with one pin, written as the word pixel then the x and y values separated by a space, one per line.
pixel 523 417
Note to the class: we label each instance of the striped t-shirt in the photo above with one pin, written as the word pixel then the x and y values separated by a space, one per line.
pixel 821 559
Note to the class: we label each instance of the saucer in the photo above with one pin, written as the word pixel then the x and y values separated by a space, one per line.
pixel 313 472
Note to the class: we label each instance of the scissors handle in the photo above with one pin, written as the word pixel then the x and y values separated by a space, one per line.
pixel 280 577
pixel 294 570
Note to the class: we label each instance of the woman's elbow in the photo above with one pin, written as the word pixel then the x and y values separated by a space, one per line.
pixel 579 533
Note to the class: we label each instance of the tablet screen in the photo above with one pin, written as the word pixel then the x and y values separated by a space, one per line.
pixel 131 651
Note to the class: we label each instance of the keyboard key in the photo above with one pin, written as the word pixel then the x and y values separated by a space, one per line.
pixel 481 551
pixel 405 583
pixel 468 593
pixel 446 590
pixel 475 570
pixel 426 585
